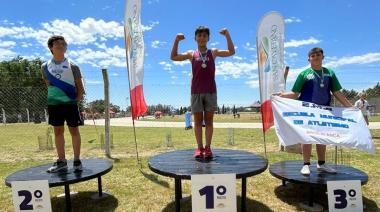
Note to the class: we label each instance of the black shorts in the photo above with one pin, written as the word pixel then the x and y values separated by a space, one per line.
pixel 58 114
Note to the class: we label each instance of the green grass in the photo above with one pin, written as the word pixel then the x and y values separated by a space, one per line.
pixel 135 190
pixel 374 118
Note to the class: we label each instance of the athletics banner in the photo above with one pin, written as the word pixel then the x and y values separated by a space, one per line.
pixel 308 123
pixel 134 43
pixel 270 54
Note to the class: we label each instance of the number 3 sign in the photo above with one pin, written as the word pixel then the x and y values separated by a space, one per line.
pixel 31 196
pixel 213 192
pixel 345 195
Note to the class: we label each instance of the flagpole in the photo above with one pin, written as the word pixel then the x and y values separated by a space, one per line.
pixel 129 83
pixel 261 103
pixel 265 143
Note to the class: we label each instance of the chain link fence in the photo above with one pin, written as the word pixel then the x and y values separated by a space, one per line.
pixel 28 105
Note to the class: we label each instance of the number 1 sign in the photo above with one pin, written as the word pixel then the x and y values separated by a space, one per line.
pixel 31 196
pixel 213 192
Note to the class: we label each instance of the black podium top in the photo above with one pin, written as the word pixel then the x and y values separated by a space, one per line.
pixel 92 168
pixel 290 171
pixel 181 164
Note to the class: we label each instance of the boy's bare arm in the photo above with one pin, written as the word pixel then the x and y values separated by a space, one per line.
pixel 80 89
pixel 174 54
pixel 342 99
pixel 289 95
pixel 230 45
pixel 46 82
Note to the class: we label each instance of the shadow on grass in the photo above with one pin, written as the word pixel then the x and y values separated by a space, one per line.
pixel 293 194
pixel 83 202
pixel 154 178
pixel 251 205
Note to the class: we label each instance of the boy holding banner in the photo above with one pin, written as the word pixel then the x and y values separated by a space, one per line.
pixel 65 89
pixel 316 84
pixel 203 86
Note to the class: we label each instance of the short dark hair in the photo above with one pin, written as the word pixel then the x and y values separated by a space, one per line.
pixel 202 29
pixel 54 38
pixel 315 50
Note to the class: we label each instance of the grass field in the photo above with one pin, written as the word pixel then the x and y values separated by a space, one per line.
pixel 244 117
pixel 133 189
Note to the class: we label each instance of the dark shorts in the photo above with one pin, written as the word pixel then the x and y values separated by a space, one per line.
pixel 58 114
pixel 201 102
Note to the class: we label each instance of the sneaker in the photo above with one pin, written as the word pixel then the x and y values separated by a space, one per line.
pixel 325 168
pixel 305 170
pixel 77 165
pixel 59 166
pixel 199 153
pixel 208 152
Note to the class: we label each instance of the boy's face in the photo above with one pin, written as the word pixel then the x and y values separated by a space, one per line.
pixel 201 38
pixel 316 58
pixel 59 47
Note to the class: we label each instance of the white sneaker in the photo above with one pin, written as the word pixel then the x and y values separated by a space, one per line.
pixel 305 170
pixel 325 168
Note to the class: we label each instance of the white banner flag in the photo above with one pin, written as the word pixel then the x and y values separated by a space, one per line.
pixel 134 43
pixel 270 54
pixel 308 123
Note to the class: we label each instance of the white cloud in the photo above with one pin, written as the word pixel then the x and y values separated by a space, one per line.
pixel 237 58
pixel 181 63
pixel 253 83
pixel 167 66
pixel 236 69
pixel 297 43
pixel 93 82
pixel 26 45
pixel 6 54
pixel 114 56
pixel 87 31
pixel 153 1
pixel 214 43
pixel 360 59
pixel 7 44
pixel 85 34
pixel 291 54
pixel 292 20
pixel 156 44
pixel 150 26
pixel 247 46
pixel 338 62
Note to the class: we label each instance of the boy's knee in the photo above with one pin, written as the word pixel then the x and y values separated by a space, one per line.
pixel 74 131
pixel 58 131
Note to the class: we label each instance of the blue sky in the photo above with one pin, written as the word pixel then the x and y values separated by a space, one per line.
pixel 347 30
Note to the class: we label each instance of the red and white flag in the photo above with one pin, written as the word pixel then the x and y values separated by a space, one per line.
pixel 270 54
pixel 134 43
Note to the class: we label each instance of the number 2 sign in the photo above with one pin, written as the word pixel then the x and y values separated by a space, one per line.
pixel 345 196
pixel 213 192
pixel 31 196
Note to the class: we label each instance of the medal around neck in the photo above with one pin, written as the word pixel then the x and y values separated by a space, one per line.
pixel 321 78
pixel 204 65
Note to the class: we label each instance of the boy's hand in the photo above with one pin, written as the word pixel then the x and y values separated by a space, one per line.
pixel 179 37
pixel 224 32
